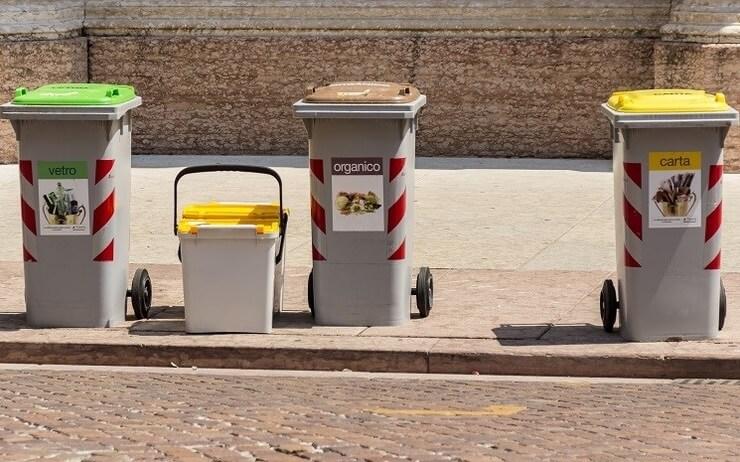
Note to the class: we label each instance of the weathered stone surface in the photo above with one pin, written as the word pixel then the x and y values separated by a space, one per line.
pixel 487 96
pixel 41 19
pixel 704 21
pixel 707 66
pixel 491 322
pixel 53 413
pixel 503 78
pixel 503 18
pixel 524 97
pixel 34 63
pixel 234 95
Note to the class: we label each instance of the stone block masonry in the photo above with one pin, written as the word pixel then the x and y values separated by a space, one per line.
pixel 40 42
pixel 715 67
pixel 488 96
pixel 503 79
pixel 32 63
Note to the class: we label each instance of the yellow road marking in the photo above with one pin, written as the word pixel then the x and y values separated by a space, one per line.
pixel 495 410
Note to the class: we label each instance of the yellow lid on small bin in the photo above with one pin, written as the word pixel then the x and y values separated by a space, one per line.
pixel 667 101
pixel 266 217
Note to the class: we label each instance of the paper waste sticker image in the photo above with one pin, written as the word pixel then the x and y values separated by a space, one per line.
pixel 675 188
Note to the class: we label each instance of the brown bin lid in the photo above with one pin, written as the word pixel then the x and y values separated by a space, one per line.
pixel 362 92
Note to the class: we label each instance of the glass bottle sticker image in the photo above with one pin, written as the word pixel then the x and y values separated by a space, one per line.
pixel 675 189
pixel 357 193
pixel 63 199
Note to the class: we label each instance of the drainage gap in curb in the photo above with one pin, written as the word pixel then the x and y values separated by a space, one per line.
pixel 706 382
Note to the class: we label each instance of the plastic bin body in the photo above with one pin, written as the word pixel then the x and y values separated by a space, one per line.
pixel 75 278
pixel 228 279
pixel 361 264
pixel 232 269
pixel 668 267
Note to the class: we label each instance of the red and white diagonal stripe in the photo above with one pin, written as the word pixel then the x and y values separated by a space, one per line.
pixel 713 223
pixel 318 213
pixel 633 218
pixel 397 210
pixel 28 212
pixel 103 228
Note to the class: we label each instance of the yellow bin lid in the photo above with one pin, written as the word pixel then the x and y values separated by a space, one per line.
pixel 667 101
pixel 266 217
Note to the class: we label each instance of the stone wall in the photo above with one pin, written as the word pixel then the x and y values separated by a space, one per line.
pixel 715 67
pixel 40 42
pixel 700 48
pixel 487 96
pixel 503 78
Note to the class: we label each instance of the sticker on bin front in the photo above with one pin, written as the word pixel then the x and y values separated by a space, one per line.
pixel 357 192
pixel 675 189
pixel 63 200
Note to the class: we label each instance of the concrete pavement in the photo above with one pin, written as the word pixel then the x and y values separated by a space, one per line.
pixel 470 213
pixel 508 214
pixel 113 414
pixel 484 321
pixel 516 279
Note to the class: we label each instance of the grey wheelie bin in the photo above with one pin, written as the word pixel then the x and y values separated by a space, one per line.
pixel 361 157
pixel 668 197
pixel 74 149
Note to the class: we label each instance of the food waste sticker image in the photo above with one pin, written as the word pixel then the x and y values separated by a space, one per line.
pixel 675 189
pixel 64 208
pixel 357 192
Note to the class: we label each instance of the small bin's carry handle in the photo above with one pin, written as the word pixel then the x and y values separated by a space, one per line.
pixel 283 221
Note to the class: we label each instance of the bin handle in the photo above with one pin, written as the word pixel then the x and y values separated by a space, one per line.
pixel 282 222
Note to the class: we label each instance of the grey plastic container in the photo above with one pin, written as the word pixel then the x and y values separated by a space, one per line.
pixel 76 271
pixel 361 155
pixel 668 254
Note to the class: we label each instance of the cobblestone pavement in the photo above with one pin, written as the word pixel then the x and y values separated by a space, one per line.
pixel 90 414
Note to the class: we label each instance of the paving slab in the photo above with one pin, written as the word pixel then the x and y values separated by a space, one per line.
pixel 56 413
pixel 484 321
pixel 519 249
pixel 514 214
pixel 462 206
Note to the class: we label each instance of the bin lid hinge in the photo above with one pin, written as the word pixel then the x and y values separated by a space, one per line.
pixel 405 125
pixel 108 126
pixel 723 131
pixel 309 127
pixel 619 135
pixel 16 124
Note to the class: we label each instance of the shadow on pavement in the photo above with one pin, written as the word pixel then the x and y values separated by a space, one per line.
pixel 293 320
pixel 170 320
pixel 179 161
pixel 13 321
pixel 158 328
pixel 163 320
pixel 554 334
pixel 429 163
pixel 500 163
pixel 167 312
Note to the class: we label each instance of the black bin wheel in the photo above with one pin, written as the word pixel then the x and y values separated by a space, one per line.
pixel 722 305
pixel 141 293
pixel 608 305
pixel 424 291
pixel 310 294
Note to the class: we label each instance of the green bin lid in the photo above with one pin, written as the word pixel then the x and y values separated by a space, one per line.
pixel 75 94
